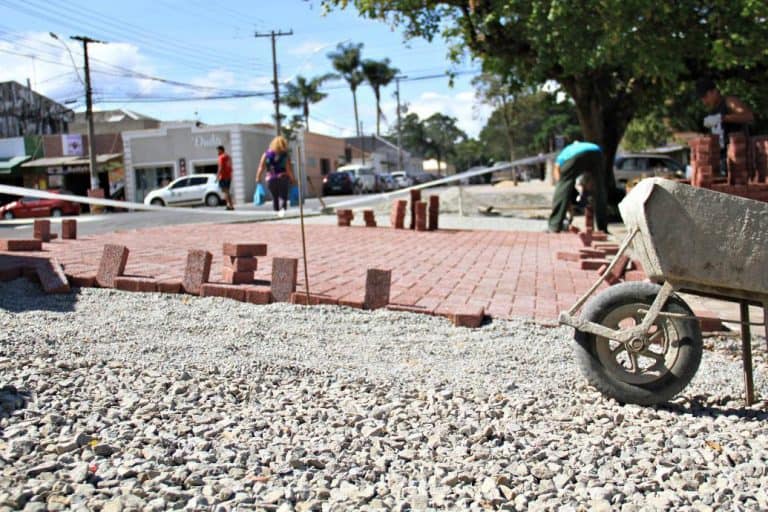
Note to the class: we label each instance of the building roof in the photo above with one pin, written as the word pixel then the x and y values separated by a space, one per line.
pixel 57 161
pixel 115 116
pixel 7 165
pixel 370 143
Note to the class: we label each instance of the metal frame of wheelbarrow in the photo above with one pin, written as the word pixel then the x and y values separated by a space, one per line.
pixel 652 313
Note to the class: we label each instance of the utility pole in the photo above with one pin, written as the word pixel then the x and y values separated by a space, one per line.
pixel 273 35
pixel 399 134
pixel 89 110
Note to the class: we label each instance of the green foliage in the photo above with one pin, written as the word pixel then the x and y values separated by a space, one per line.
pixel 346 61
pixel 436 137
pixel 645 132
pixel 302 92
pixel 615 58
pixel 378 74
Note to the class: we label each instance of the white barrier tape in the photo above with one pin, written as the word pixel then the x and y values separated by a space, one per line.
pixel 448 179
pixel 31 192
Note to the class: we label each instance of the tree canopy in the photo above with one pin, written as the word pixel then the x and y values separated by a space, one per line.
pixel 303 92
pixel 615 58
pixel 347 62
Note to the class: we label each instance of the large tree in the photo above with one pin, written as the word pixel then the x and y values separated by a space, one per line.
pixel 378 74
pixel 615 58
pixel 346 61
pixel 302 92
pixel 441 135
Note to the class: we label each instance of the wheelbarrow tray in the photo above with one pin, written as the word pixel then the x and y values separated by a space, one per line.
pixel 699 240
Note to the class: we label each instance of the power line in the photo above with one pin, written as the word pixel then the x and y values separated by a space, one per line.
pixel 273 35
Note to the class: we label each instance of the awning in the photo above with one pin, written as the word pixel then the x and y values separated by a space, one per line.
pixel 62 161
pixel 7 166
pixel 55 161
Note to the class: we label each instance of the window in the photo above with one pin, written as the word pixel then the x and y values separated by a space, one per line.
pixel 198 180
pixel 181 183
pixel 325 166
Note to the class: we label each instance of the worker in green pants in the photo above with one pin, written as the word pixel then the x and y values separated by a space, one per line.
pixel 576 159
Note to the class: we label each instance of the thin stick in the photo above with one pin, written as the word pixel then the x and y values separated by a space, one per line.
pixel 301 217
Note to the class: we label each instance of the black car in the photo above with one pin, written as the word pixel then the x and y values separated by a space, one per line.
pixel 341 182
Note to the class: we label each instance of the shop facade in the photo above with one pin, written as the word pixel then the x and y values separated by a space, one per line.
pixel 155 157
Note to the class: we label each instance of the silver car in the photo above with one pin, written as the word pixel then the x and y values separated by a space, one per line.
pixel 195 189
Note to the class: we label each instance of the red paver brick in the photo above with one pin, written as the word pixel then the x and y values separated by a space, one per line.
pixel 568 256
pixel 284 274
pixel 468 317
pixel 434 212
pixel 314 300
pixel 415 199
pixel 709 321
pixel 258 294
pixel 228 291
pixel 197 271
pixel 232 277
pixel 244 250
pixel 42 230
pixel 421 216
pixel 51 276
pixel 69 229
pixel 635 275
pixel 169 286
pixel 377 287
pixel 21 245
pixel 136 284
pixel 241 264
pixel 83 280
pixel 592 264
pixel 112 264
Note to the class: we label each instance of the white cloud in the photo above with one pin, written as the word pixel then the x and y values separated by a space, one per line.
pixel 308 48
pixel 471 115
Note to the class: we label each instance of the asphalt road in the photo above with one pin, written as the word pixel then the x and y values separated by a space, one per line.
pixel 111 222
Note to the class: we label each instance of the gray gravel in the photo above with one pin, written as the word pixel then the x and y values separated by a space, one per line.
pixel 115 401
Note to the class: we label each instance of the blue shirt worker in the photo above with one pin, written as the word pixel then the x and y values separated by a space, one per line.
pixel 576 159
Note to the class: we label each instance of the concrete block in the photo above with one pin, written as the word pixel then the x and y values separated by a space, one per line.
pixel 112 264
pixel 197 271
pixel 284 274
pixel 377 287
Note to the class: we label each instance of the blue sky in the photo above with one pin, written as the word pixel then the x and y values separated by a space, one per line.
pixel 211 43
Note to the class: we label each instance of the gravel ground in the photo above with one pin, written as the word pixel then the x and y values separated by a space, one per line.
pixel 115 401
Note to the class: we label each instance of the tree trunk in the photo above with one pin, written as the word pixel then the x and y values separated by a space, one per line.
pixel 357 119
pixel 378 111
pixel 306 116
pixel 603 119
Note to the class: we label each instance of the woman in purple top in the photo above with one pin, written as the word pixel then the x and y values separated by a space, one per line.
pixel 279 173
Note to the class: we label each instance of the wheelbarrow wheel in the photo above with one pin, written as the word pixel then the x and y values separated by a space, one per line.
pixel 645 371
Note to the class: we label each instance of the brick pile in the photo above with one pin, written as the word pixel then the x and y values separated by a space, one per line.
pixel 369 218
pixel 240 262
pixel 747 166
pixel 344 217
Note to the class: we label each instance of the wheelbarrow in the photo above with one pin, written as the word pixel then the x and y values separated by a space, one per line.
pixel 639 342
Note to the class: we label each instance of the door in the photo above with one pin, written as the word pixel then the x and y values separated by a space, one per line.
pixel 197 188
pixel 179 191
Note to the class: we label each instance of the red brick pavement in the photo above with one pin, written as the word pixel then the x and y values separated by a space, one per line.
pixel 508 273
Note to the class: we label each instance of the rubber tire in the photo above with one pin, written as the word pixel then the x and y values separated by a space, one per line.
pixel 157 202
pixel 668 385
pixel 212 200
pixel 56 212
pixel 8 215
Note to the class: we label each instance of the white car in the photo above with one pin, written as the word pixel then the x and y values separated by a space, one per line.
pixel 365 177
pixel 187 191
pixel 402 180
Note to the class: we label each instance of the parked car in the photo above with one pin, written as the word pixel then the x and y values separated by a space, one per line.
pixel 26 207
pixel 187 191
pixel 339 182
pixel 385 182
pixel 365 177
pixel 636 166
pixel 402 180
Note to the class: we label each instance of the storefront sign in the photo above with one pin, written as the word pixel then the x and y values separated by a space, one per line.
pixel 182 167
pixel 72 144
pixel 207 141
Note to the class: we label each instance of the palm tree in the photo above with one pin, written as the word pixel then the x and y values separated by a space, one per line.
pixel 346 60
pixel 378 74
pixel 303 92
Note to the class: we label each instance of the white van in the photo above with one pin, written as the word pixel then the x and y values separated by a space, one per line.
pixel 365 177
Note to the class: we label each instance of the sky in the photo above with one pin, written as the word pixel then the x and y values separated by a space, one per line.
pixel 152 46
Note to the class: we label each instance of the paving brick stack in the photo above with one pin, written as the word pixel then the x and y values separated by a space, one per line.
pixel 760 158
pixel 434 212
pixel 415 199
pixel 738 171
pixel 705 160
pixel 589 219
pixel 369 218
pixel 421 216
pixel 397 215
pixel 69 229
pixel 42 230
pixel 240 261
pixel 344 217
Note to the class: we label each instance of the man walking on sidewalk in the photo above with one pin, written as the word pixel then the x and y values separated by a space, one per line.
pixel 224 176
